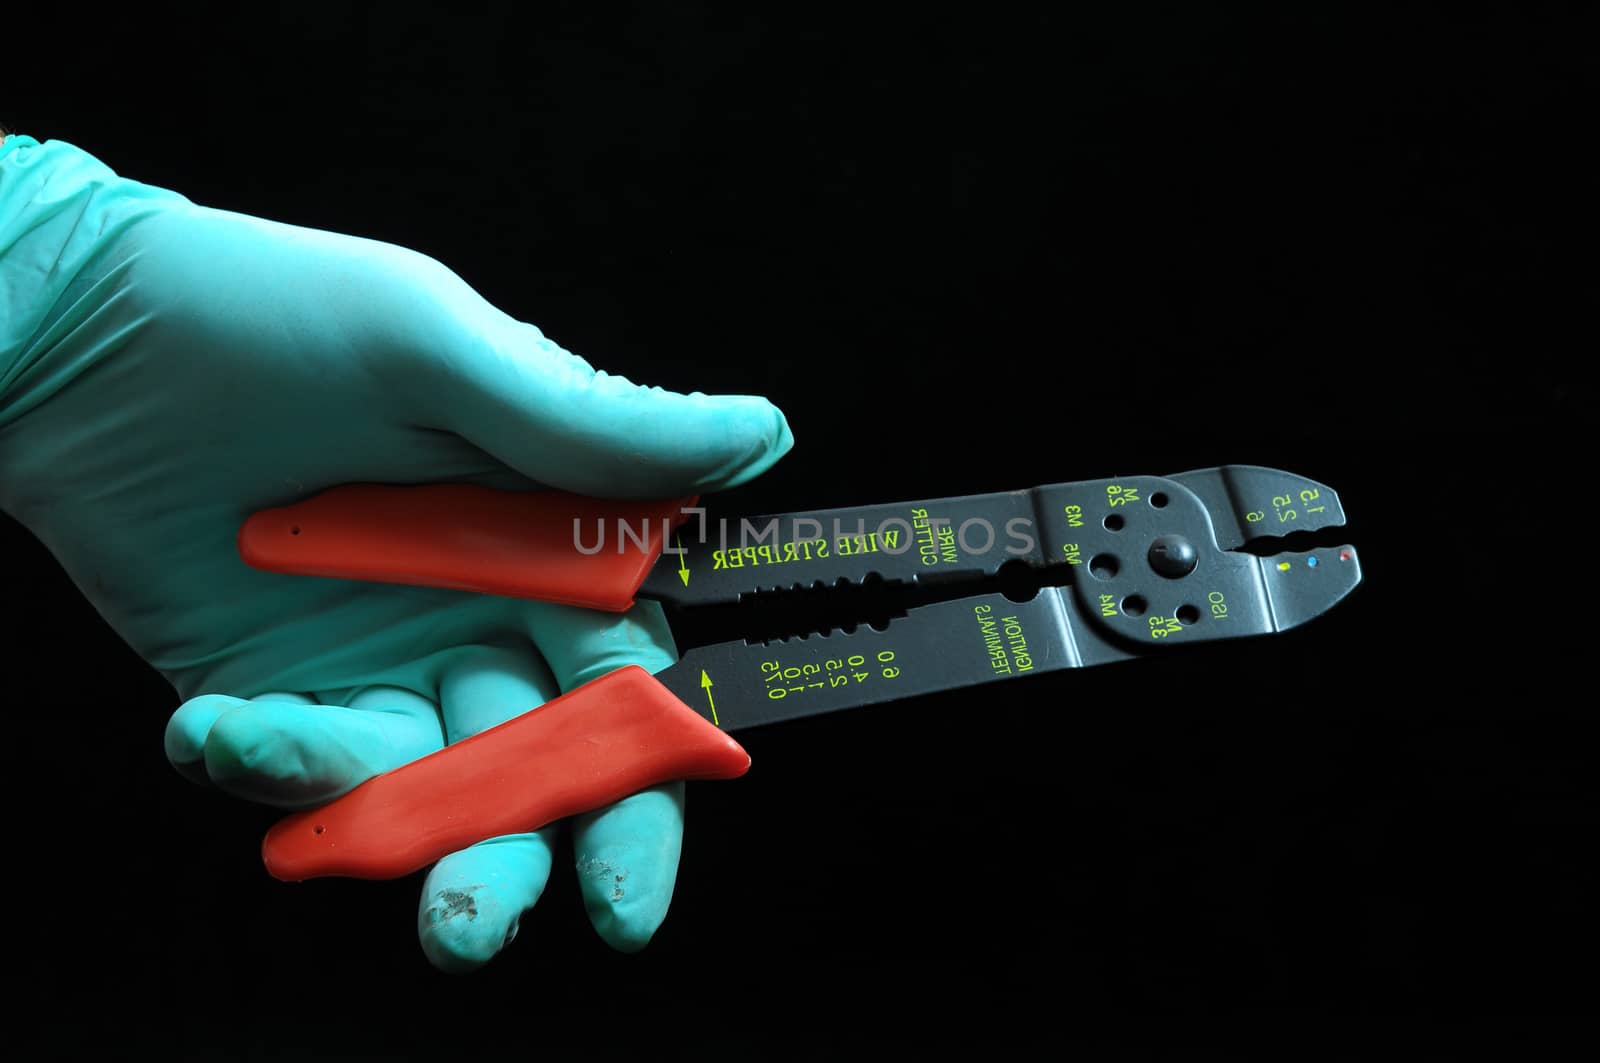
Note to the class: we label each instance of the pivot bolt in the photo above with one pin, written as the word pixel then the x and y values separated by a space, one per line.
pixel 1173 556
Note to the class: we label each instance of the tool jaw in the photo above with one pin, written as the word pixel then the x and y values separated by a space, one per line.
pixel 1154 560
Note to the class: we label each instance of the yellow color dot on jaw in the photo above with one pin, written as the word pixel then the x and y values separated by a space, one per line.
pixel 1283 566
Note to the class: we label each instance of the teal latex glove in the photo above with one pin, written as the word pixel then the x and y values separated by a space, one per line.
pixel 167 369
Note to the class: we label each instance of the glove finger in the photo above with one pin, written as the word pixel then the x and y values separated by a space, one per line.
pixel 627 857
pixel 552 417
pixel 627 854
pixel 485 686
pixel 298 755
pixel 474 900
pixel 185 737
pixel 584 644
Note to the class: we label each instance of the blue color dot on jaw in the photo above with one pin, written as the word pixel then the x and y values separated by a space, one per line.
pixel 1311 561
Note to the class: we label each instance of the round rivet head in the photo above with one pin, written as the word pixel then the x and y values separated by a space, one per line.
pixel 1173 556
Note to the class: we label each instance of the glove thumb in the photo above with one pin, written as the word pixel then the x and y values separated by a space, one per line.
pixel 552 417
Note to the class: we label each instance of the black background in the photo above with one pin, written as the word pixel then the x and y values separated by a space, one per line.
pixel 963 255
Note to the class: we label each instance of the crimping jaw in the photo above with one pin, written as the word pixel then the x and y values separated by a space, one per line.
pixel 1159 559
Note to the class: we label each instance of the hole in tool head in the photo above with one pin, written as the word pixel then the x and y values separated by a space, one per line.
pixel 294 529
pixel 318 829
pixel 1188 614
pixel 1158 500
pixel 1104 566
pixel 1019 582
pixel 1114 522
pixel 1134 605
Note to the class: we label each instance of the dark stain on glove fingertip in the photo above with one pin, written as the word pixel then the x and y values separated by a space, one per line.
pixel 450 904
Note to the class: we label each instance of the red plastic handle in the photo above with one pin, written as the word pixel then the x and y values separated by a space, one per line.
pixel 609 738
pixel 521 544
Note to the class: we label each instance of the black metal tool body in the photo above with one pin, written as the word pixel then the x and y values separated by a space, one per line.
pixel 1150 562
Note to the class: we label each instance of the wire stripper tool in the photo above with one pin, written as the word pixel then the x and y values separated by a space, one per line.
pixel 1130 566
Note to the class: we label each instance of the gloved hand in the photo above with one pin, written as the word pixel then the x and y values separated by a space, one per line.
pixel 167 369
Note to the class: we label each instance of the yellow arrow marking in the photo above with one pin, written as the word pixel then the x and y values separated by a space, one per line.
pixel 683 564
pixel 705 684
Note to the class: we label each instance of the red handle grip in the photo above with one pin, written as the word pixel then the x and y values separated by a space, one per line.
pixel 609 738
pixel 520 544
